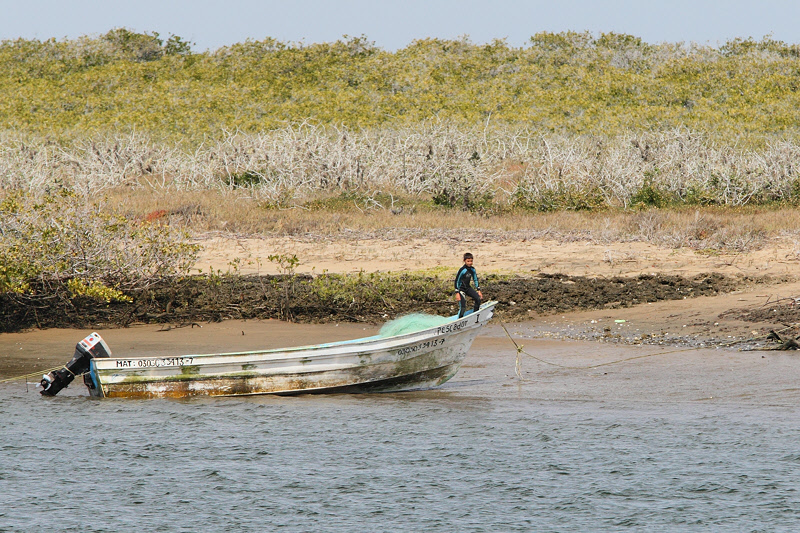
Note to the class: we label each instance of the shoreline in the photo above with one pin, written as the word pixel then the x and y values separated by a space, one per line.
pixel 698 321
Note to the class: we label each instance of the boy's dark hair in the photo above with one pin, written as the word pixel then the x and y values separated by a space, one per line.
pixel 468 256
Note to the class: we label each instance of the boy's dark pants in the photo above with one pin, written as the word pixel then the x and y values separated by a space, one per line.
pixel 462 303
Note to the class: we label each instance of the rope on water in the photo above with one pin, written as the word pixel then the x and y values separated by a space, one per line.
pixel 520 351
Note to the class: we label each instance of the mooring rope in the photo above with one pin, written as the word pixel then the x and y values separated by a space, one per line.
pixel 32 374
pixel 520 351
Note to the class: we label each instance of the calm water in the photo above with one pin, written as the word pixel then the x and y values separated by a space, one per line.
pixel 456 459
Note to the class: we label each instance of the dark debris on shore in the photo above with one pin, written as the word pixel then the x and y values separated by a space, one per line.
pixel 370 298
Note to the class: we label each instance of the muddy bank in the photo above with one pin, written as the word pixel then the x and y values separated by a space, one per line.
pixel 554 293
pixel 367 298
pixel 783 311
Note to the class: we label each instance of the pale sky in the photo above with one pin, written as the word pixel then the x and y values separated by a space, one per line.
pixel 394 24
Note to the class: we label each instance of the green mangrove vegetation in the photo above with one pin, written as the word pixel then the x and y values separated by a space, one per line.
pixel 574 83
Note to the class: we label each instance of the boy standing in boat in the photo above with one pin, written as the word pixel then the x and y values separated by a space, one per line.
pixel 466 275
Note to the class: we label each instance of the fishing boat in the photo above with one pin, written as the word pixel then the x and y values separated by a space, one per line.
pixel 415 354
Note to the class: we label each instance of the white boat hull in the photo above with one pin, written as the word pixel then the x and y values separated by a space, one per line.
pixel 422 359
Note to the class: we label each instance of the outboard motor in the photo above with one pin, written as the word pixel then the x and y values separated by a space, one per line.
pixel 86 350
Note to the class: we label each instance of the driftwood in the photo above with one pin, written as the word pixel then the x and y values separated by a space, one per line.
pixel 786 344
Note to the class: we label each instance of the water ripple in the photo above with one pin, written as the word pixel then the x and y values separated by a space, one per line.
pixel 400 462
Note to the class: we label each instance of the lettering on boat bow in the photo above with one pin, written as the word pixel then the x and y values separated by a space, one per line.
pixel 421 346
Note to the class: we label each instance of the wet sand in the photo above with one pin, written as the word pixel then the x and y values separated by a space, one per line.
pixel 551 369
pixel 638 374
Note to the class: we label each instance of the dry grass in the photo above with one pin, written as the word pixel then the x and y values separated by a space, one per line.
pixel 228 212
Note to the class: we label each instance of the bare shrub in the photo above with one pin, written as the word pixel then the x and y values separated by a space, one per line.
pixel 646 226
pixel 456 166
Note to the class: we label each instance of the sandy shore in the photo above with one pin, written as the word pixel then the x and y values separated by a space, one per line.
pixel 778 258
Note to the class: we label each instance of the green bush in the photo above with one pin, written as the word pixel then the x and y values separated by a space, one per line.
pixel 544 199
pixel 67 243
pixel 575 83
pixel 650 195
